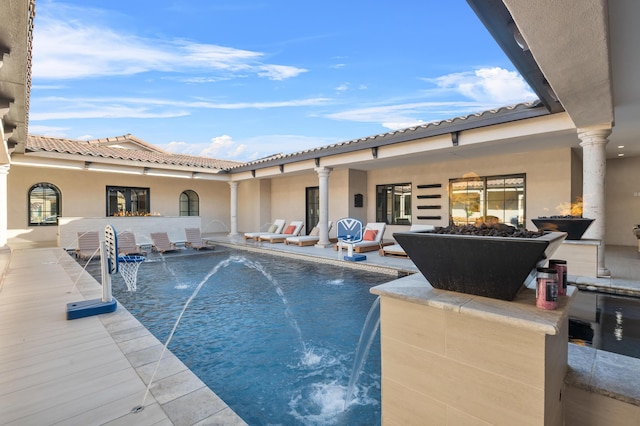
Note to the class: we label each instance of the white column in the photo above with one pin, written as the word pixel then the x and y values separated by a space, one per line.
pixel 234 208
pixel 323 224
pixel 594 167
pixel 4 171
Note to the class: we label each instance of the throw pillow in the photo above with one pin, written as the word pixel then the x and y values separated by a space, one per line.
pixel 315 232
pixel 272 229
pixel 370 234
pixel 290 229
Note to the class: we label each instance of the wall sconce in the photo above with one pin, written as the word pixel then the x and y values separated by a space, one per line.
pixel 517 36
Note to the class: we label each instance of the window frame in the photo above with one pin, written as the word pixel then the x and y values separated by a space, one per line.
pixel 189 194
pixel 484 199
pixel 129 209
pixel 52 212
pixel 392 212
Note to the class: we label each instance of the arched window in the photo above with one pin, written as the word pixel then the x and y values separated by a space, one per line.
pixel 44 204
pixel 189 203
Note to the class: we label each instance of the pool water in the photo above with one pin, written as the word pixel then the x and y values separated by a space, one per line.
pixel 274 337
pixel 605 321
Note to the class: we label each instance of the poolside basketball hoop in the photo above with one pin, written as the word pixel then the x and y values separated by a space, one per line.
pixel 128 268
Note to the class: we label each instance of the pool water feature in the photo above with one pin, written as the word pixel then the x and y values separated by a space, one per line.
pixel 606 321
pixel 274 337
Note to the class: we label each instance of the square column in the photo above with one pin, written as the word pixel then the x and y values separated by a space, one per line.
pixel 451 358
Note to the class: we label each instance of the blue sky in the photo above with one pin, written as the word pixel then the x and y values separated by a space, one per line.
pixel 241 80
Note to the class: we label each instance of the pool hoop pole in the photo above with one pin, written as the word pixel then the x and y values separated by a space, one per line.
pixel 107 296
pixel 108 252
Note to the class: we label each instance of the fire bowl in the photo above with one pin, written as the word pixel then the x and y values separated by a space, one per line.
pixel 575 227
pixel 495 267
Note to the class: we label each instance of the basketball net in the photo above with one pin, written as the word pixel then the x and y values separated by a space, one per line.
pixel 128 268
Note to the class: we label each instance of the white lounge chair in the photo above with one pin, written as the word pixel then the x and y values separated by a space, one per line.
pixel 294 228
pixel 127 244
pixel 88 245
pixel 161 243
pixel 275 228
pixel 396 249
pixel 371 238
pixel 308 240
pixel 195 240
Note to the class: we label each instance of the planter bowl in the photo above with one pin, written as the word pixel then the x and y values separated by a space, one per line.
pixel 575 227
pixel 494 267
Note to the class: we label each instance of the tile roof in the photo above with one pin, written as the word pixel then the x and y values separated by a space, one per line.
pixel 471 121
pixel 103 148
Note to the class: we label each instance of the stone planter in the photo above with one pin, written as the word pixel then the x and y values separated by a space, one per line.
pixel 495 267
pixel 575 227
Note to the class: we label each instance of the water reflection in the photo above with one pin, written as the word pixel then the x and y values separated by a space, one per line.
pixel 607 322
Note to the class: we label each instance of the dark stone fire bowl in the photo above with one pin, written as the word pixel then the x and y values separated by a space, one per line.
pixel 575 227
pixel 495 267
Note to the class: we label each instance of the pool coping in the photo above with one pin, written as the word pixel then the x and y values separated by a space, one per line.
pixel 179 392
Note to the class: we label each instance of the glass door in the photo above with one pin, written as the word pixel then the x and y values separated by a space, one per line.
pixel 312 207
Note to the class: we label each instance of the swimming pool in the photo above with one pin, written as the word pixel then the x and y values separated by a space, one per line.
pixel 274 337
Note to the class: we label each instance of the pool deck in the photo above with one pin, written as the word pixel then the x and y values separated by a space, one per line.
pixel 95 370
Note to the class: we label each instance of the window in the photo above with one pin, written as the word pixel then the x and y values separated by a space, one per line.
pixel 44 204
pixel 189 203
pixel 493 198
pixel 393 204
pixel 126 201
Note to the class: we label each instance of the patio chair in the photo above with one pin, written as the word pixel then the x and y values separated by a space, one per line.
pixel 88 245
pixel 161 243
pixel 293 229
pixel 396 249
pixel 275 228
pixel 309 240
pixel 371 238
pixel 195 241
pixel 127 244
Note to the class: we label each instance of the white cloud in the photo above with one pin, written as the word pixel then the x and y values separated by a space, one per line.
pixel 481 89
pixel 71 43
pixel 489 85
pixel 53 131
pixel 58 108
pixel 225 147
pixel 400 116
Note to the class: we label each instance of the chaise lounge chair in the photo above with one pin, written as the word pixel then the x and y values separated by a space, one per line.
pixel 371 238
pixel 293 229
pixel 275 228
pixel 127 244
pixel 161 243
pixel 396 249
pixel 308 240
pixel 88 245
pixel 195 241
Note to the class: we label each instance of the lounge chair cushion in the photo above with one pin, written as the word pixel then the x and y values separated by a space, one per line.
pixel 290 229
pixel 370 235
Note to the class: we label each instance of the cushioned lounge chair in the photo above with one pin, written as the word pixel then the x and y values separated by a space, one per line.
pixel 88 245
pixel 309 240
pixel 371 238
pixel 195 241
pixel 396 249
pixel 161 243
pixel 127 244
pixel 294 229
pixel 275 228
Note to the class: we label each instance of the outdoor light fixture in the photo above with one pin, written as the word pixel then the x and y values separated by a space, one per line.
pixel 517 36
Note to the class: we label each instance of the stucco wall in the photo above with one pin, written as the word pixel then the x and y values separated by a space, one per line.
pixel 83 193
pixel 622 200
pixel 548 181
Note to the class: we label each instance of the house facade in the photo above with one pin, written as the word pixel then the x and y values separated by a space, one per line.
pixel 514 163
